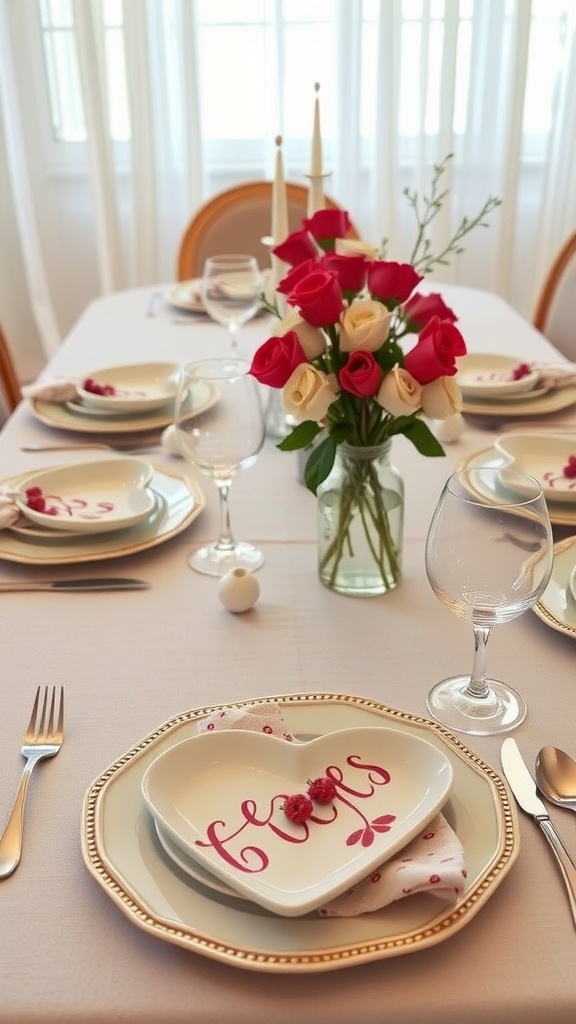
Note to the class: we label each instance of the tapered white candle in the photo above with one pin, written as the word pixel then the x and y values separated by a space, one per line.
pixel 279 216
pixel 316 191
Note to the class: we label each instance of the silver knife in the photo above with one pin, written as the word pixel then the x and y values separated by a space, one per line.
pixel 524 788
pixel 104 583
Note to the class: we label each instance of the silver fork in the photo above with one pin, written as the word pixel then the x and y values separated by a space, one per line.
pixel 88 444
pixel 43 738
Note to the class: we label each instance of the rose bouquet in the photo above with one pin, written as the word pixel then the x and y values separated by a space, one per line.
pixel 349 380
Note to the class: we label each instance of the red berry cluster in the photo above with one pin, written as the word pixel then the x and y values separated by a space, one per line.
pixel 95 388
pixel 298 807
pixel 35 500
pixel 570 467
pixel 522 370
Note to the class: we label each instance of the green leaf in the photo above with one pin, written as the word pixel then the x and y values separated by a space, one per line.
pixel 389 355
pixel 421 436
pixel 301 436
pixel 319 464
pixel 340 432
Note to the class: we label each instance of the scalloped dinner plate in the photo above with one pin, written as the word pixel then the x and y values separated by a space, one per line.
pixel 557 606
pixel 91 497
pixel 220 796
pixel 123 855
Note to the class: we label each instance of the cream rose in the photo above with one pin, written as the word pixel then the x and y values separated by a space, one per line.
pixel 308 393
pixel 364 326
pixel 311 338
pixel 399 393
pixel 441 398
pixel 355 247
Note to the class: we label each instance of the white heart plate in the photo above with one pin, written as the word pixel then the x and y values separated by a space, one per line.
pixel 492 376
pixel 557 606
pixel 186 295
pixel 137 388
pixel 192 867
pixel 91 497
pixel 220 797
pixel 543 456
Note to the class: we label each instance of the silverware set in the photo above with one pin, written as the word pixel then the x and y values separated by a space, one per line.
pixel 43 738
pixel 81 446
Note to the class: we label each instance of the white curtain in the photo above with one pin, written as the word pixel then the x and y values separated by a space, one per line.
pixel 403 84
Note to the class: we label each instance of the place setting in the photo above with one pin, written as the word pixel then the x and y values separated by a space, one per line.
pixel 89 511
pixel 500 385
pixel 299 833
pixel 117 399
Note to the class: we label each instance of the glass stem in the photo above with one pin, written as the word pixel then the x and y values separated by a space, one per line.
pixel 478 687
pixel 233 330
pixel 225 541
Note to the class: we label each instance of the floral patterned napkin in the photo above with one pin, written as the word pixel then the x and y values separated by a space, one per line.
pixel 433 862
pixel 51 390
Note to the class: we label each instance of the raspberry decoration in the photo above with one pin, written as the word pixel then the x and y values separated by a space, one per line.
pixel 322 790
pixel 95 388
pixel 522 370
pixel 37 502
pixel 298 808
pixel 570 467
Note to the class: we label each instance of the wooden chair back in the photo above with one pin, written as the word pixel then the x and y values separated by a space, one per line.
pixel 9 385
pixel 555 312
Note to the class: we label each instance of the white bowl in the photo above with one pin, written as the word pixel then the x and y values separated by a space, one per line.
pixel 484 375
pixel 220 797
pixel 138 387
pixel 91 497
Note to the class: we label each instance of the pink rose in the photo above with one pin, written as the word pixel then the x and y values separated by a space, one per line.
pixel 391 282
pixel 361 375
pixel 296 248
pixel 421 308
pixel 296 274
pixel 275 360
pixel 318 297
pixel 326 225
pixel 435 353
pixel 350 271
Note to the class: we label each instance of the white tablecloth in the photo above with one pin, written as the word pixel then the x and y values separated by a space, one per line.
pixel 130 661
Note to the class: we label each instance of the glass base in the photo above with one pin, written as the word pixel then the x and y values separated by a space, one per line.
pixel 214 561
pixel 500 711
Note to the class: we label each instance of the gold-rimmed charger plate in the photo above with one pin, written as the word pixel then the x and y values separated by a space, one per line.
pixel 539 405
pixel 178 501
pixel 561 514
pixel 86 421
pixel 557 606
pixel 123 854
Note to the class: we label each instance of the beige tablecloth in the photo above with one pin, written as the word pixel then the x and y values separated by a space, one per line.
pixel 130 661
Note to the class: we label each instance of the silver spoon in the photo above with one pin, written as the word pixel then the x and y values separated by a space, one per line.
pixel 556 777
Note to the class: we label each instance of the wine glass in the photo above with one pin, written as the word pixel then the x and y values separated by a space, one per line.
pixel 219 424
pixel 231 289
pixel 488 559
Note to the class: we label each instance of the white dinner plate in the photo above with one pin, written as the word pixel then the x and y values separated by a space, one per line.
pixel 485 375
pixel 388 785
pixel 178 500
pixel 186 295
pixel 122 853
pixel 69 416
pixel 90 497
pixel 561 513
pixel 543 456
pixel 138 387
pixel 538 404
pixel 557 606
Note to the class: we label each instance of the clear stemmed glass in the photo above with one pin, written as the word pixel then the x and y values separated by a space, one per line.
pixel 231 289
pixel 219 423
pixel 488 559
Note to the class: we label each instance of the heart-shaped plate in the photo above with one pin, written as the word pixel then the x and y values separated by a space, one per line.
pixel 486 375
pixel 545 457
pixel 137 388
pixel 221 798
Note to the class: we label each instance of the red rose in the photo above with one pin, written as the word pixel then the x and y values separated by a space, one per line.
pixel 361 375
pixel 296 274
pixel 350 270
pixel 318 297
pixel 390 282
pixel 421 308
pixel 296 248
pixel 326 225
pixel 275 361
pixel 435 353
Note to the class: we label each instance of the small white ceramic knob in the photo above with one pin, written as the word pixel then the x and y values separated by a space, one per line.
pixel 450 429
pixel 170 441
pixel 238 590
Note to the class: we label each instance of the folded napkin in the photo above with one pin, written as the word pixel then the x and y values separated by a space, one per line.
pixel 554 375
pixel 52 390
pixel 433 862
pixel 9 511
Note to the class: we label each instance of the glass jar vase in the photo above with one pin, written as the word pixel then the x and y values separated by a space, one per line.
pixel 360 522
